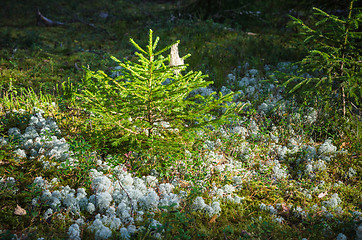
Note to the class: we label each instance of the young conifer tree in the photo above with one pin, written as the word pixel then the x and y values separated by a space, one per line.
pixel 333 60
pixel 152 103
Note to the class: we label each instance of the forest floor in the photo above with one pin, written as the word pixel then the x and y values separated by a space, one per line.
pixel 274 173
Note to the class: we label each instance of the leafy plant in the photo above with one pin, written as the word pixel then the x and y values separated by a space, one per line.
pixel 151 104
pixel 333 64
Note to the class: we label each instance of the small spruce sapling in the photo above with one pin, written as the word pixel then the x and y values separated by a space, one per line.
pixel 333 63
pixel 151 102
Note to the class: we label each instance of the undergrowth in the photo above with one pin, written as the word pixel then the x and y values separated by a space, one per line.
pixel 279 170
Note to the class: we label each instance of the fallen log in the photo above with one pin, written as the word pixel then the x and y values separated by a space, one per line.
pixel 42 20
